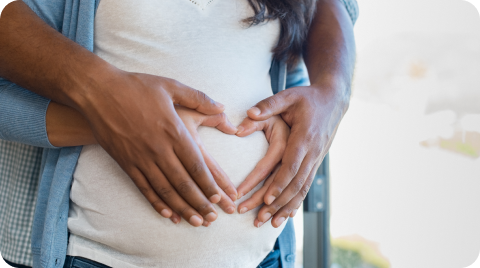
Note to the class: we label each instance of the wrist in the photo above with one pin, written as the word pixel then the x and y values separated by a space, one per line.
pixel 86 82
pixel 334 91
pixel 67 127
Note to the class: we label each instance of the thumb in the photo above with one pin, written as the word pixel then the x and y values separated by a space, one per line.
pixel 220 122
pixel 194 99
pixel 271 106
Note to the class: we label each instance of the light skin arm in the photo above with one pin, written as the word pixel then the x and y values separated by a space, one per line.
pixel 313 112
pixel 163 157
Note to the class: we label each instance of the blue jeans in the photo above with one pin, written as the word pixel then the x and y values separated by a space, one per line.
pixel 271 261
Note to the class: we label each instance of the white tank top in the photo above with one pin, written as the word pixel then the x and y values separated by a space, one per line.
pixel 204 45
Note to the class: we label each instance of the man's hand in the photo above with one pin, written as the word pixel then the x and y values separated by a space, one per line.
pixel 133 118
pixel 67 127
pixel 313 112
pixel 192 120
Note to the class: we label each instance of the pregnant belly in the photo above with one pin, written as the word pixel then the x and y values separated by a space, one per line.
pixel 112 217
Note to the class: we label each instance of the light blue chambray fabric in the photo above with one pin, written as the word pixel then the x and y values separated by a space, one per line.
pixel 74 18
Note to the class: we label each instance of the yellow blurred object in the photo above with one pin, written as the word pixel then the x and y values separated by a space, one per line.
pixel 368 250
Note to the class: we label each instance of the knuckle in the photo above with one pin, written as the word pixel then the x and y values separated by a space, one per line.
pixel 196 168
pixel 286 211
pixel 275 207
pixel 309 137
pixel 223 117
pixel 269 103
pixel 202 97
pixel 144 190
pixel 216 173
pixel 174 132
pixel 203 208
pixel 293 168
pixel 297 186
pixel 183 211
pixel 164 193
pixel 304 191
pixel 184 187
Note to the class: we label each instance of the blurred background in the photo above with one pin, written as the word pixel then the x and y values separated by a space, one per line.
pixel 405 163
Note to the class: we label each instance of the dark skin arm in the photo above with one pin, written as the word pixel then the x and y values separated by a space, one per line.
pixel 313 112
pixel 162 159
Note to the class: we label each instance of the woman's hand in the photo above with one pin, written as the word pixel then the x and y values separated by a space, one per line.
pixel 192 120
pixel 313 114
pixel 277 133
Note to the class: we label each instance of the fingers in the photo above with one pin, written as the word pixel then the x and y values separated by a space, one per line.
pixel 226 204
pixel 152 197
pixel 257 198
pixel 175 218
pixel 193 99
pixel 270 106
pixel 192 120
pixel 189 191
pixel 281 212
pixel 248 126
pixel 220 176
pixel 278 142
pixel 298 181
pixel 187 151
pixel 160 190
pixel 292 163
pixel 220 122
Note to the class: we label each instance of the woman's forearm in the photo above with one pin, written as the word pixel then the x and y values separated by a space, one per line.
pixel 67 127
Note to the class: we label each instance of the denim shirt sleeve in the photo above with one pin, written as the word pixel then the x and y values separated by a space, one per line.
pixel 352 9
pixel 22 113
pixel 22 116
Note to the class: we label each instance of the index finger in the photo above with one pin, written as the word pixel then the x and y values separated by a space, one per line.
pixel 190 156
pixel 292 160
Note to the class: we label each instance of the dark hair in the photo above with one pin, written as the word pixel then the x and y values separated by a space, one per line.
pixel 295 18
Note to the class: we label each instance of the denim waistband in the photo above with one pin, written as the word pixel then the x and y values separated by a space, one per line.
pixel 271 261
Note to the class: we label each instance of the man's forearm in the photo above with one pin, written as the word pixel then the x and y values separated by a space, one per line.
pixel 37 57
pixel 330 50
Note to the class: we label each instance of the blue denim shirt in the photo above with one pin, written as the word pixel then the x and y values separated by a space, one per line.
pixel 23 120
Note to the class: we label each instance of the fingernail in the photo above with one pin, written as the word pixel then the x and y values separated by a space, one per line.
pixel 240 129
pixel 240 195
pixel 294 212
pixel 230 210
pixel 219 105
pixel 268 216
pixel 243 210
pixel 280 221
pixel 195 220
pixel 233 197
pixel 211 217
pixel 259 224
pixel 254 110
pixel 206 223
pixel 165 213
pixel 175 220
pixel 270 199
pixel 215 198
